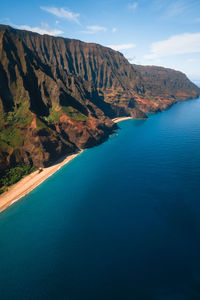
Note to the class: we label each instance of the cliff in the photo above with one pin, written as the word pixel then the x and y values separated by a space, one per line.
pixel 166 86
pixel 58 95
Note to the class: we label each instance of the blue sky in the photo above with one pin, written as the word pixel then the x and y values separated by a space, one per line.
pixel 148 32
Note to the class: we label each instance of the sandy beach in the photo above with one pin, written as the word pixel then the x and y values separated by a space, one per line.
pixel 120 119
pixel 28 183
pixel 31 181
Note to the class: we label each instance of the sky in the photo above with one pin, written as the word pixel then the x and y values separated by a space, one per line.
pixel 148 32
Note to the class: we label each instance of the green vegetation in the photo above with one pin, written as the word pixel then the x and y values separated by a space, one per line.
pixel 54 116
pixel 1 119
pixel 11 137
pixel 13 175
pixel 12 125
pixel 41 125
pixel 20 116
pixel 74 114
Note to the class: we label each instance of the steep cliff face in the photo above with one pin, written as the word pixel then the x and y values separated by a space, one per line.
pixel 104 67
pixel 58 95
pixel 115 80
pixel 44 112
pixel 165 86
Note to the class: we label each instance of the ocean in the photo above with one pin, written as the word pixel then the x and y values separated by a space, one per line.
pixel 120 221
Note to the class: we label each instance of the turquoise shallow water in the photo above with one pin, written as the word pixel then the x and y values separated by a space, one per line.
pixel 121 221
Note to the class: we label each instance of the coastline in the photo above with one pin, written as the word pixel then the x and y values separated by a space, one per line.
pixel 120 119
pixel 31 181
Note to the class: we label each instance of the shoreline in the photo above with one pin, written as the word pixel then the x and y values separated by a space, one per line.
pixel 27 184
pixel 120 119
pixel 30 182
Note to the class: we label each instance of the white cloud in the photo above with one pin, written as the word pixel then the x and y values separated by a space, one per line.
pixel 177 44
pixel 94 29
pixel 158 5
pixel 133 5
pixel 177 8
pixel 44 29
pixel 180 8
pixel 122 46
pixel 191 60
pixel 114 29
pixel 62 13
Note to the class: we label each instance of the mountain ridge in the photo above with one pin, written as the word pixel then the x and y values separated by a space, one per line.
pixel 59 95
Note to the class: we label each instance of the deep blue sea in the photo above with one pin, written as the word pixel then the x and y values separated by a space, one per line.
pixel 120 221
